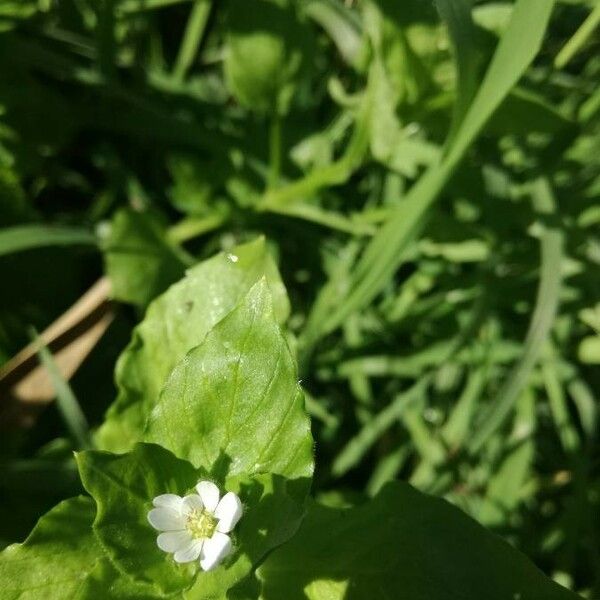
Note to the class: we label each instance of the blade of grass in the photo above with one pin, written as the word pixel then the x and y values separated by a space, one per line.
pixel 135 6
pixel 507 485
pixel 358 446
pixel 385 253
pixel 586 405
pixel 317 411
pixel 65 398
pixel 557 400
pixel 578 39
pixel 387 469
pixel 25 237
pixel 541 323
pixel 457 426
pixel 457 15
pixel 192 38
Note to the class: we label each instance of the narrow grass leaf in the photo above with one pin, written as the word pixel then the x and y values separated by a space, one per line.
pixel 26 237
pixel 65 398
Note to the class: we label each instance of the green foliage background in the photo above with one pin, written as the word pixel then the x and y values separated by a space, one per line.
pixel 426 177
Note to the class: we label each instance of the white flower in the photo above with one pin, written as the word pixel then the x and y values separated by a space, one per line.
pixel 197 525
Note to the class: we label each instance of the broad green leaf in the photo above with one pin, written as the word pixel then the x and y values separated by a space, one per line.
pixel 123 487
pixel 273 509
pixel 26 237
pixel 236 398
pixel 139 261
pixel 106 582
pixel 402 544
pixel 174 324
pixel 56 559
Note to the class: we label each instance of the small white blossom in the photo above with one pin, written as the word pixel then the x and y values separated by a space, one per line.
pixel 196 526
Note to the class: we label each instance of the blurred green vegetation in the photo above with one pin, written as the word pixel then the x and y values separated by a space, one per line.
pixel 434 215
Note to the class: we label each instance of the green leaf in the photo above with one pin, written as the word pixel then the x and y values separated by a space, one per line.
pixel 105 582
pixel 273 508
pixel 56 558
pixel 26 237
pixel 174 324
pixel 139 261
pixel 123 487
pixel 267 46
pixel 403 544
pixel 236 398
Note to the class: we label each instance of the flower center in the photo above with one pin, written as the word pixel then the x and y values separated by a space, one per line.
pixel 201 524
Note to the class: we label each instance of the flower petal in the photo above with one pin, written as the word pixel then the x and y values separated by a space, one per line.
pixel 190 503
pixel 166 519
pixel 168 501
pixel 209 493
pixel 172 541
pixel 215 549
pixel 228 512
pixel 189 552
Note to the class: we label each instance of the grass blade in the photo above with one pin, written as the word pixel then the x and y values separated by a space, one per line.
pixel 65 398
pixel 26 237
pixel 358 446
pixel 539 329
pixel 385 253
